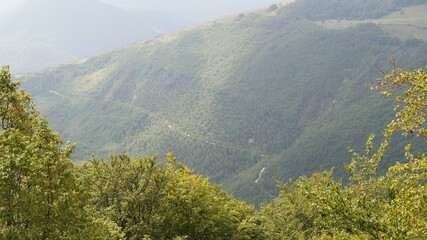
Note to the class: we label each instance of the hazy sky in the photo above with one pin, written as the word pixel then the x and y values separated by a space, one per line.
pixel 9 5
pixel 193 10
pixel 200 10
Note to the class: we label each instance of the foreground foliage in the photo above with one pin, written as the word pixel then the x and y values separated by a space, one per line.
pixel 393 206
pixel 147 198
pixel 40 198
pixel 45 196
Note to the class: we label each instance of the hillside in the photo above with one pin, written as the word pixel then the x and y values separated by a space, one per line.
pixel 264 95
pixel 45 33
pixel 196 11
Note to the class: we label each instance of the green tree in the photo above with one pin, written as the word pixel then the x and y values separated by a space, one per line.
pixel 393 206
pixel 161 200
pixel 39 196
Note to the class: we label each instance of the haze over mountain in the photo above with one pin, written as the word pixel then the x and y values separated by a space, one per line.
pixel 195 11
pixel 245 100
pixel 44 33
pixel 40 33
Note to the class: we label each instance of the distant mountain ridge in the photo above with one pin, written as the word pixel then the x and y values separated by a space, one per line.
pixel 196 11
pixel 44 33
pixel 268 91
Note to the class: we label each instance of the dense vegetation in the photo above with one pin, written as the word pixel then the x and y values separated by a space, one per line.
pixel 45 196
pixel 40 195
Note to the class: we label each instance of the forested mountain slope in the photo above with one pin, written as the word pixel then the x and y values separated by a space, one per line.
pixel 280 89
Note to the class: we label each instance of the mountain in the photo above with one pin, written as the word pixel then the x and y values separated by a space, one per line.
pixel 45 33
pixel 195 11
pixel 247 99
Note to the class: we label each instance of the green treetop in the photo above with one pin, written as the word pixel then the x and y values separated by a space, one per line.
pixel 393 206
pixel 39 196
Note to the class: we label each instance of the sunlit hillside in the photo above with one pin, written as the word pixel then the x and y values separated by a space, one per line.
pixel 246 100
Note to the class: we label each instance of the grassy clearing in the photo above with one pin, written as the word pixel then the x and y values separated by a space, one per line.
pixel 411 22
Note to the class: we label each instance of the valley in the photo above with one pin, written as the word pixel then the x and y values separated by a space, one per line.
pixel 304 119
pixel 263 89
